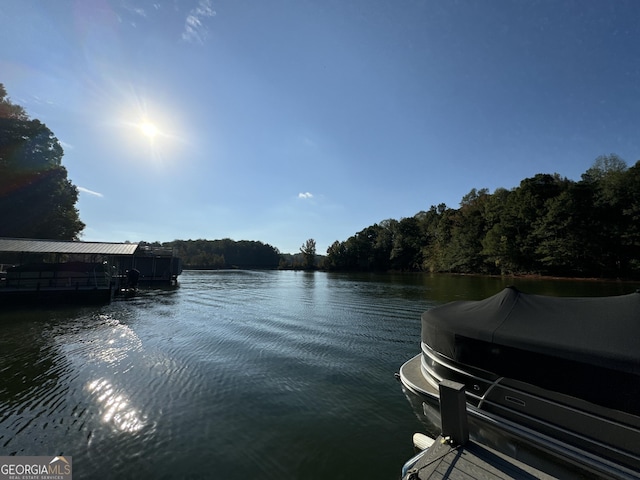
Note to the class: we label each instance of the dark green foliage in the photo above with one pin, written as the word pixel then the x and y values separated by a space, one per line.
pixel 511 240
pixel 468 227
pixel 406 251
pixel 308 251
pixel 36 198
pixel 337 256
pixel 369 249
pixel 547 225
pixel 226 253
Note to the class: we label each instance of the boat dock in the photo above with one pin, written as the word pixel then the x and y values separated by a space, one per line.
pixel 454 456
pixel 37 271
pixel 469 461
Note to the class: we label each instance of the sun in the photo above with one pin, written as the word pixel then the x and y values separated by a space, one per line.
pixel 148 129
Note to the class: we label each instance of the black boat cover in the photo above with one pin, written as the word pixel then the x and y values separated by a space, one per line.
pixel 602 332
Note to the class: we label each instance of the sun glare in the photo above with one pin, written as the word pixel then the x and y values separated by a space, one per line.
pixel 149 133
pixel 148 129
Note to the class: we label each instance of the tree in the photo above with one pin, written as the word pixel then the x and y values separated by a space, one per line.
pixel 435 235
pixel 308 251
pixel 567 234
pixel 336 256
pixel 406 252
pixel 468 229
pixel 631 212
pixel 605 166
pixel 608 180
pixel 511 241
pixel 36 198
pixel 9 109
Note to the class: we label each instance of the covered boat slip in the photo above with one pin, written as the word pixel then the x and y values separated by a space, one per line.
pixel 21 251
pixel 584 347
pixel 48 271
pixel 155 265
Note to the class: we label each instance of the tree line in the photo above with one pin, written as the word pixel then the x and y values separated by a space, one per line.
pixel 245 254
pixel 225 253
pixel 548 225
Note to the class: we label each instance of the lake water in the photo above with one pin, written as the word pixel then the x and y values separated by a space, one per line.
pixel 233 375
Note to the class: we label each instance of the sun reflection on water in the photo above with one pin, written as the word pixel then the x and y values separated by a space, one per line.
pixel 116 343
pixel 115 407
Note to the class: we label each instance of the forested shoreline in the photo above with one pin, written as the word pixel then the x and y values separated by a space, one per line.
pixel 220 254
pixel 548 225
pixel 226 253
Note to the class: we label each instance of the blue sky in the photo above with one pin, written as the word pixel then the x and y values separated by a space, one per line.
pixel 285 120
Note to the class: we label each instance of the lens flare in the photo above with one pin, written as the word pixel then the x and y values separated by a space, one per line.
pixel 148 129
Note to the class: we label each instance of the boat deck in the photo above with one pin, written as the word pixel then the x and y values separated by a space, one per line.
pixel 493 453
pixel 470 461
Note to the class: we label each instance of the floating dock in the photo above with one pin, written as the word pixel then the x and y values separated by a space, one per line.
pixel 444 460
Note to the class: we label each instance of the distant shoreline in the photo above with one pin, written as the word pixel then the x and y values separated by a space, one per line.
pixel 527 276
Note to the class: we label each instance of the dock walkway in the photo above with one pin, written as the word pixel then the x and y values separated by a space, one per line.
pixel 454 456
pixel 469 461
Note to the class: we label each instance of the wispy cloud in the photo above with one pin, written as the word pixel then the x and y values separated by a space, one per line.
pixel 305 195
pixel 132 13
pixel 90 192
pixel 136 10
pixel 65 145
pixel 194 29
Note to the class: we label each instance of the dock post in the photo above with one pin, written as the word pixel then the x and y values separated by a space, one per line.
pixel 453 410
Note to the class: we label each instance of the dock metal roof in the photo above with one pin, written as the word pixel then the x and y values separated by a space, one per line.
pixel 24 245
